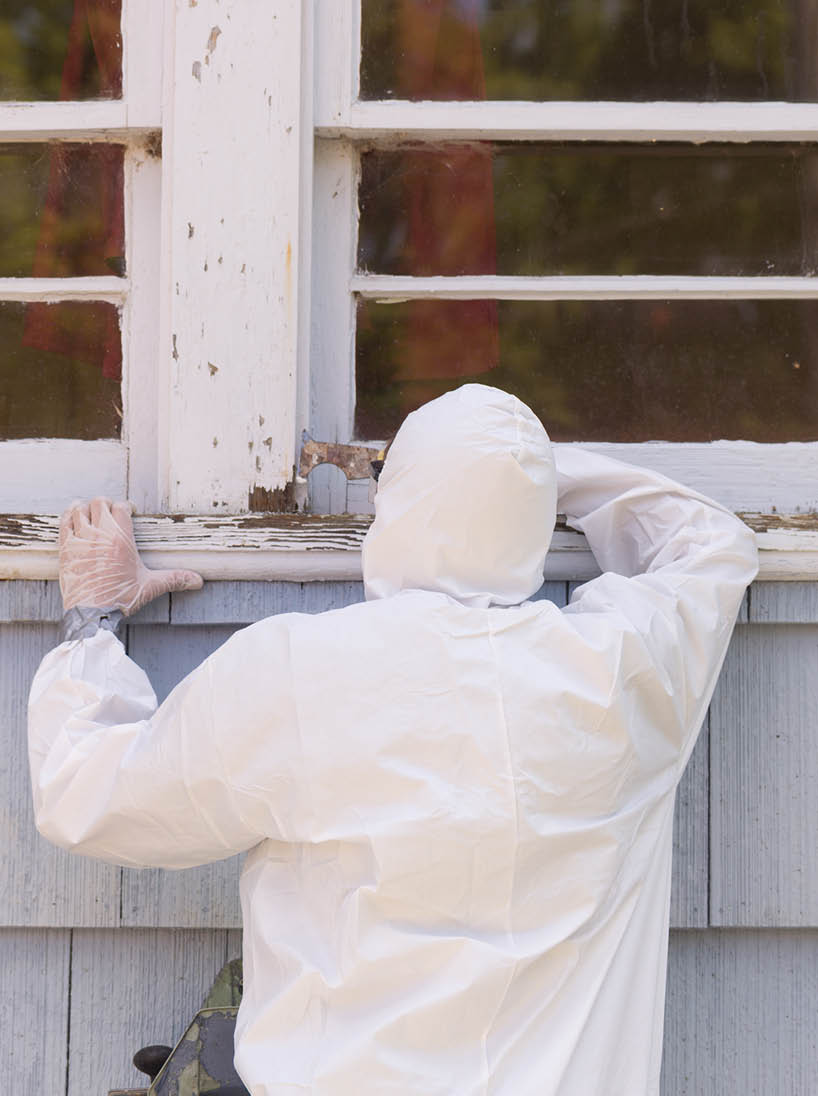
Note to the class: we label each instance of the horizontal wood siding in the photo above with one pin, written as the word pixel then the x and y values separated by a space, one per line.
pixel 145 945
pixel 764 779
pixel 740 1014
pixel 40 885
pixel 34 1011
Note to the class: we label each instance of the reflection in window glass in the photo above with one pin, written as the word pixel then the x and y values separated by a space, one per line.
pixel 583 49
pixel 625 371
pixel 61 210
pixel 60 49
pixel 590 209
pixel 60 369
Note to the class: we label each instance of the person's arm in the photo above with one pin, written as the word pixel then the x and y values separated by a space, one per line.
pixel 199 778
pixel 677 565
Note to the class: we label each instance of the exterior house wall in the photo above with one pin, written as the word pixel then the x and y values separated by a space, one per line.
pixel 104 960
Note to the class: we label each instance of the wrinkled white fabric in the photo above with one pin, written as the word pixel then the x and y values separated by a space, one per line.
pixel 459 808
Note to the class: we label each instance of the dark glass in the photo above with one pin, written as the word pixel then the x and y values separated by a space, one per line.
pixel 711 209
pixel 626 371
pixel 60 49
pixel 60 370
pixel 586 49
pixel 61 210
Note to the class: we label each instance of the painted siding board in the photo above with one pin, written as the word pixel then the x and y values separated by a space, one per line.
pixel 764 779
pixel 34 1011
pixel 689 890
pixel 740 1014
pixel 246 602
pixel 784 603
pixel 131 988
pixel 204 897
pixel 26 601
pixel 40 885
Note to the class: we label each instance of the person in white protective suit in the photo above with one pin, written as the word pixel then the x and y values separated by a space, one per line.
pixel 458 801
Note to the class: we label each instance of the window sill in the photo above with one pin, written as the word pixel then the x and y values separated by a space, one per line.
pixel 312 548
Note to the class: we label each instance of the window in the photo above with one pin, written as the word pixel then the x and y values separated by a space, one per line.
pixel 79 202
pixel 321 245
pixel 499 198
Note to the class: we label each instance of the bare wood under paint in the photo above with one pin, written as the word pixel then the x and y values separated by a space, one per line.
pixel 313 547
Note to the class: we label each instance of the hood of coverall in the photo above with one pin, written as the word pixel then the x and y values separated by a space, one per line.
pixel 466 502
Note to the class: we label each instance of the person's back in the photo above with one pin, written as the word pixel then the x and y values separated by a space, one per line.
pixel 460 801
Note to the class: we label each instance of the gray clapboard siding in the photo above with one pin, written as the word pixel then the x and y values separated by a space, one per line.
pixel 764 779
pixel 34 1011
pixel 131 988
pixel 740 1014
pixel 691 853
pixel 205 897
pixel 246 602
pixel 784 603
pixel 24 602
pixel 40 885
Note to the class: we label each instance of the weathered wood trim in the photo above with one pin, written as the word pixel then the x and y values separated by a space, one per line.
pixel 320 548
pixel 92 120
pixel 590 287
pixel 399 120
pixel 230 286
pixel 102 288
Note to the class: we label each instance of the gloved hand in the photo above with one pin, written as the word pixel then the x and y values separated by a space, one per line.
pixel 100 566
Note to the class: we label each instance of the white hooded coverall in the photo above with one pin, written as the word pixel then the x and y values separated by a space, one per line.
pixel 458 802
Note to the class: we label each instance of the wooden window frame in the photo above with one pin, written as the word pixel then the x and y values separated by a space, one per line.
pixel 252 276
pixel 40 475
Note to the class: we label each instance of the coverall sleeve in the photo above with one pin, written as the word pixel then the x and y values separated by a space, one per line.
pixel 207 774
pixel 676 567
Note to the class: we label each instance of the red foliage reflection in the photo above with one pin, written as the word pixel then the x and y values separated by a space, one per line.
pixel 451 227
pixel 94 40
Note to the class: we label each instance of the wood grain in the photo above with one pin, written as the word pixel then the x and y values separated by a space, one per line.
pixel 740 1014
pixel 764 779
pixel 131 988
pixel 34 1011
pixel 40 885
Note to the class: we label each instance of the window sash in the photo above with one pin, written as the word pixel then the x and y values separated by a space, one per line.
pixel 743 475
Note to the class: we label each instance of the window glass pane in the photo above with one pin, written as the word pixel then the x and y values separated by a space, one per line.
pixel 60 49
pixel 622 371
pixel 587 49
pixel 61 210
pixel 590 209
pixel 60 370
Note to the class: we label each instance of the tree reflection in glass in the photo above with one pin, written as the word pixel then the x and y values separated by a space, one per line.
pixel 584 49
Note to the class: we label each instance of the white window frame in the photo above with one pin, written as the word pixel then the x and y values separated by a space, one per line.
pixel 745 476
pixel 251 273
pixel 39 476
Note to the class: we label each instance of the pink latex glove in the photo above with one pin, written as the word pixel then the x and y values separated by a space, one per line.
pixel 100 565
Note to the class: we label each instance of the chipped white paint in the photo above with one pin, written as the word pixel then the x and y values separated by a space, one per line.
pixel 337 41
pixel 232 177
pixel 387 287
pixel 398 120
pixel 335 208
pixel 140 340
pixel 142 38
pixel 313 548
